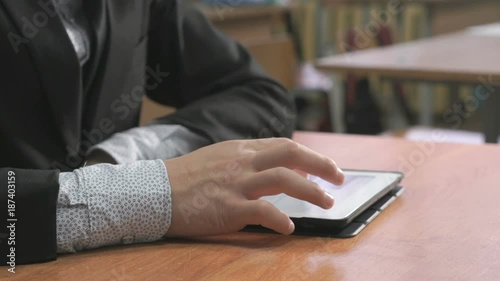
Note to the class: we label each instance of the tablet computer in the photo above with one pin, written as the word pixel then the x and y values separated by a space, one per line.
pixel 361 189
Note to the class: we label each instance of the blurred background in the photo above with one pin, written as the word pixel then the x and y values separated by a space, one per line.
pixel 290 37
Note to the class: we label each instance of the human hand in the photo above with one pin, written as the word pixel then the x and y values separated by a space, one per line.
pixel 216 189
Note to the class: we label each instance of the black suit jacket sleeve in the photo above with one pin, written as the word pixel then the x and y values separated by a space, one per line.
pixel 219 89
pixel 28 216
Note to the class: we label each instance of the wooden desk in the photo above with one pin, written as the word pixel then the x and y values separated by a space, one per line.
pixel 446 226
pixel 460 58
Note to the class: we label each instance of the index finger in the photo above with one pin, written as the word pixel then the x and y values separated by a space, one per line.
pixel 293 155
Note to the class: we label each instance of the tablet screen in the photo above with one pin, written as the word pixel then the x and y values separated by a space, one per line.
pixel 359 188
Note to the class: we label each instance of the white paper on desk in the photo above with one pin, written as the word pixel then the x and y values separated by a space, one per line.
pixel 492 29
pixel 444 135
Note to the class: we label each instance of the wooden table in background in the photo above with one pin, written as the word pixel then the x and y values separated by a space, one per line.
pixel 413 20
pixel 459 58
pixel 446 226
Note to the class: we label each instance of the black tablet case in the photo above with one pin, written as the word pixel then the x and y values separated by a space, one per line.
pixel 350 230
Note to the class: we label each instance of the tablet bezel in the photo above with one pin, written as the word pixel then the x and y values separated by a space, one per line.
pixel 312 222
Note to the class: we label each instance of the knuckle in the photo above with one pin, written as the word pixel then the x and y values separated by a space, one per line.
pixel 251 160
pixel 285 140
pixel 243 145
pixel 261 209
pixel 279 174
pixel 314 194
pixel 265 141
pixel 317 189
pixel 293 149
pixel 248 156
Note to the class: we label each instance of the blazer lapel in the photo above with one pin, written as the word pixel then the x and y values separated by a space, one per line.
pixel 119 39
pixel 56 62
pixel 96 13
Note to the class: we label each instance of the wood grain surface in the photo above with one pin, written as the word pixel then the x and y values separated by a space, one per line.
pixel 445 227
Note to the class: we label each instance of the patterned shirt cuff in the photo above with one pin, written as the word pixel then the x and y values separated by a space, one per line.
pixel 106 204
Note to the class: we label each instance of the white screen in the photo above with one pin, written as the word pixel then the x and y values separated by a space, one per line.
pixel 358 188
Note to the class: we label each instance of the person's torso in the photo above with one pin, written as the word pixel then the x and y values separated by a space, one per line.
pixel 57 101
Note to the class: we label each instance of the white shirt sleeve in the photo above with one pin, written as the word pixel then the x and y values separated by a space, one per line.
pixel 151 142
pixel 106 204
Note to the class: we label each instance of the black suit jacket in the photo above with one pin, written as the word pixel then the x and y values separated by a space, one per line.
pixel 49 116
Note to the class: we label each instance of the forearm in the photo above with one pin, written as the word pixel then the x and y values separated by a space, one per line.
pixel 147 143
pixel 219 90
pixel 256 109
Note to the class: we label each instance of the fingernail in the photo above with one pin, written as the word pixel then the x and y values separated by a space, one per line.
pixel 291 227
pixel 328 200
